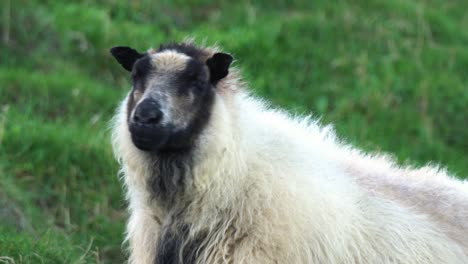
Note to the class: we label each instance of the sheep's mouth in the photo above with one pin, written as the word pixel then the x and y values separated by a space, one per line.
pixel 149 138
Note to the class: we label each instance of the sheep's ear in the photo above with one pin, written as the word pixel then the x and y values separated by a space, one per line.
pixel 126 56
pixel 219 66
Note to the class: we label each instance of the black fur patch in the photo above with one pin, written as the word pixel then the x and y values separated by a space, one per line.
pixel 171 169
pixel 176 246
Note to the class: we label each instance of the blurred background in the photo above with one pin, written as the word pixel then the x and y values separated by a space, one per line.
pixel 391 75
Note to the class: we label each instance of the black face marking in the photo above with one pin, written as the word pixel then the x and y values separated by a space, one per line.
pixel 185 139
pixel 126 56
pixel 219 66
pixel 193 78
pixel 142 68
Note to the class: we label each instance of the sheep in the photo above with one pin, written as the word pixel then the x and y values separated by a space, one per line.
pixel 215 175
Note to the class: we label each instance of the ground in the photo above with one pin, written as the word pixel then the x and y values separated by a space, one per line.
pixel 391 76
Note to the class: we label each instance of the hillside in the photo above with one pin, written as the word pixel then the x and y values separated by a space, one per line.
pixel 390 75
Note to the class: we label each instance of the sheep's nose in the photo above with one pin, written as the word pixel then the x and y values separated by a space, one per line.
pixel 147 113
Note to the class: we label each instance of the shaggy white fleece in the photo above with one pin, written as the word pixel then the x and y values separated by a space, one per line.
pixel 269 187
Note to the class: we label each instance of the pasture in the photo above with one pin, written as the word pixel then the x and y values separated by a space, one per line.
pixel 390 75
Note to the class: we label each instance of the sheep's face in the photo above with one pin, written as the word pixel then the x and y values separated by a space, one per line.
pixel 172 94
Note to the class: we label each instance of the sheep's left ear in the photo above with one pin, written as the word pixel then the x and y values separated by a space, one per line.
pixel 126 56
pixel 219 66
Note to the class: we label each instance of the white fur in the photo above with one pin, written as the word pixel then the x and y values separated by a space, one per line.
pixel 285 190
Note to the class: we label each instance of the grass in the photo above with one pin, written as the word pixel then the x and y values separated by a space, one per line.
pixel 391 76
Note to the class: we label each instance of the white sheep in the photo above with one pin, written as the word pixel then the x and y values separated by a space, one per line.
pixel 215 175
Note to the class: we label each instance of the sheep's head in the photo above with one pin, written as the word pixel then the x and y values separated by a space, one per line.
pixel 172 93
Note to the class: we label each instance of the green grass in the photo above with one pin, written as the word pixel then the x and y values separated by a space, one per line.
pixel 391 76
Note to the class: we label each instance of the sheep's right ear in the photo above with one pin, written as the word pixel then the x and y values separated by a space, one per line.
pixel 126 56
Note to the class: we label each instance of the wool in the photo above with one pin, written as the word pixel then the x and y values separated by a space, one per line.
pixel 264 186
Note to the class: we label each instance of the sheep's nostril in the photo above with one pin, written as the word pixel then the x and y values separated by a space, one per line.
pixel 147 113
pixel 148 117
pixel 155 118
